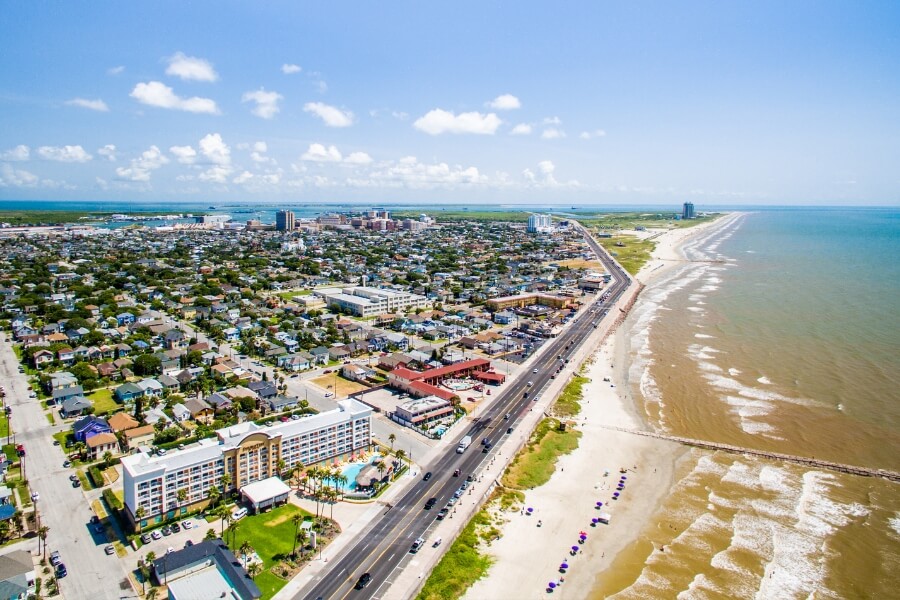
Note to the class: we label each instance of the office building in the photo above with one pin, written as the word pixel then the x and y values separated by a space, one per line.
pixel 284 220
pixel 539 223
pixel 688 211
pixel 246 452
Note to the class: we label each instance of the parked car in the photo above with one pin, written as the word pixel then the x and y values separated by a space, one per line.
pixel 443 513
pixel 73 477
pixel 35 496
pixel 176 528
pixel 76 484
pixel 110 549
pixel 187 524
pixel 61 571
pixel 156 535
pixel 145 538
pixel 54 558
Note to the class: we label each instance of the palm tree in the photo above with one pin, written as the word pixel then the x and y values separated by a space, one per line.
pixel 139 513
pixel 79 449
pixel 392 438
pixel 234 531
pixel 279 465
pixel 343 480
pixel 181 494
pixel 253 570
pixel 107 458
pixel 213 494
pixel 332 496
pixel 226 481
pixel 297 470
pixel 4 530
pixel 400 454
pixel 296 520
pixel 224 514
pixel 42 537
pixel 245 551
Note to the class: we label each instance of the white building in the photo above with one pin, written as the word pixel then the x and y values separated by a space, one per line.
pixel 370 302
pixel 247 452
pixel 539 223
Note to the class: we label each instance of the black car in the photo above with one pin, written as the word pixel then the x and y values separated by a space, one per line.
pixel 427 476
pixel 176 528
pixel 508 431
pixel 442 513
pixel 61 571
pixel 430 504
pixel 487 447
pixel 470 477
pixel 485 442
pixel 167 530
pixel 364 580
pixel 76 483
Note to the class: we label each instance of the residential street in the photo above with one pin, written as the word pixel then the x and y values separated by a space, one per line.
pixel 91 573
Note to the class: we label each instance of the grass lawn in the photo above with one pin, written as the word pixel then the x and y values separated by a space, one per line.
pixel 534 465
pixel 103 401
pixel 345 387
pixel 462 566
pixel 4 426
pixel 271 534
pixel 633 254
pixel 569 402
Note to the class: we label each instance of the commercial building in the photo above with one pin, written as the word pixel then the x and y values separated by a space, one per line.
pixel 688 211
pixel 523 300
pixel 284 220
pixel 422 410
pixel 539 223
pixel 371 302
pixel 246 452
pixel 425 383
pixel 205 570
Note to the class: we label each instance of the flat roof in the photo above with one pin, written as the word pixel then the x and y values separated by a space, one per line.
pixel 202 585
pixel 266 489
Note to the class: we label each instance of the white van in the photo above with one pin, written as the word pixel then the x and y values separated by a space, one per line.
pixel 238 514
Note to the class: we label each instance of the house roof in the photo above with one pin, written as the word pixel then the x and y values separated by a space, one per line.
pixel 101 439
pixel 15 563
pixel 214 550
pixel 122 421
pixel 139 432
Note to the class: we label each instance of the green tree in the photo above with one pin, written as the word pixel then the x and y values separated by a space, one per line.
pixel 147 364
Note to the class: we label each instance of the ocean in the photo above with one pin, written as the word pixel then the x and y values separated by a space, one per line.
pixel 781 333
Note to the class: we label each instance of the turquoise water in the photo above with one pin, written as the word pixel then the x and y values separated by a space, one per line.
pixel 352 470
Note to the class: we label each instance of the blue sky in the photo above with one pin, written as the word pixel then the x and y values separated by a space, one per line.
pixel 481 102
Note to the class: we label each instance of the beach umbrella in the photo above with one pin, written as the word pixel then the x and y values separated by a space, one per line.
pixel 615 495
pixel 599 504
pixel 564 566
pixel 582 533
pixel 595 520
pixel 530 510
pixel 574 548
pixel 623 477
pixel 551 585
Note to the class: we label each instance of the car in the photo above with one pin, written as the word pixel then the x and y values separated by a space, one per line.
pixel 486 448
pixel 326 371
pixel 452 501
pixel 328 394
pixel 110 549
pixel 181 446
pixel 94 519
pixel 534 371
pixel 430 503
pixel 187 524
pixel 54 558
pixel 456 473
pixel 188 544
pixel 485 442
pixel 170 550
pixel 76 484
pixel 61 571
pixel 238 514
pixel 509 430
pixel 156 535
pixel 443 513
pixel 458 493
pixel 35 496
pixel 56 442
pixel 419 541
pixel 508 415
pixel 363 581
pixel 161 451
pixel 285 419
pixel 427 476
pixel 465 484
pixel 176 528
pixel 67 464
pixel 295 417
pixel 470 477
pixel 145 538
pixel 530 383
pixel 167 531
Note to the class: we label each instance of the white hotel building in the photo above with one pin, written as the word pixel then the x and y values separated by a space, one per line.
pixel 247 452
pixel 371 302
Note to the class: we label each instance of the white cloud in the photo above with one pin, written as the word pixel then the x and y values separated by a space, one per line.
pixel 243 177
pixel 504 102
pixel 438 121
pixel 109 151
pixel 552 121
pixel 191 68
pixel 358 158
pixel 20 152
pixel 259 152
pixel 546 179
pixel 521 129
pixel 552 133
pixel 260 147
pixel 586 135
pixel 546 167
pixel 64 153
pixel 98 104
pixel 319 153
pixel 215 150
pixel 140 168
pixel 289 69
pixel 16 177
pixel 332 116
pixel 216 174
pixel 266 102
pixel 409 172
pixel 115 70
pixel 155 93
pixel 186 155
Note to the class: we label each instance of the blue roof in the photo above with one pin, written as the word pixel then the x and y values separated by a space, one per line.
pixel 7 511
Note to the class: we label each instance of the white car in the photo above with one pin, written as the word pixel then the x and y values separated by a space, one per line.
pixel 187 524
pixel 35 497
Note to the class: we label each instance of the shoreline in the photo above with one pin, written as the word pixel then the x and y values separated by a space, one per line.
pixel 566 504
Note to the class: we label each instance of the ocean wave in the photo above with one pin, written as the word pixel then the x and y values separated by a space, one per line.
pixel 704 336
pixel 894 522
pixel 764 380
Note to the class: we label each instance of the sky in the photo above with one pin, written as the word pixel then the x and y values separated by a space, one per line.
pixel 452 102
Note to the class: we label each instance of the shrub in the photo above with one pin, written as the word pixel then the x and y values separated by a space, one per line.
pixel 111 499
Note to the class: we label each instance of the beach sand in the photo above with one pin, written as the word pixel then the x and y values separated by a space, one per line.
pixel 527 557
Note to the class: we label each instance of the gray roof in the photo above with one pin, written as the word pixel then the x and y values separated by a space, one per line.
pixel 207 552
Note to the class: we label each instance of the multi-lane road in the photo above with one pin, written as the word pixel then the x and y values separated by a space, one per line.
pixel 384 544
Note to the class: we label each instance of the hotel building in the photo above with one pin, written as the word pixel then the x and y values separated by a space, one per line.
pixel 246 452
pixel 371 302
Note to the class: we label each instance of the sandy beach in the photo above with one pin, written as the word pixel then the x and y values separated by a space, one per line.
pixel 527 557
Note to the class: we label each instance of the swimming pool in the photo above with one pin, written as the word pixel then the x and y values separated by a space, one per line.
pixel 352 470
pixel 440 430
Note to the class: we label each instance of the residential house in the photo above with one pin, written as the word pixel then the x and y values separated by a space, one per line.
pixel 294 362
pixel 60 395
pixel 263 389
pixel 74 406
pixel 181 413
pixel 320 354
pixel 125 318
pixel 101 443
pixel 175 339
pixel 139 436
pixel 62 380
pixel 17 575
pixel 357 372
pixel 168 382
pixel 128 392
pixel 219 402
pixel 340 352
pixel 89 426
pixel 155 415
pixel 279 403
pixel 41 358
pixel 200 410
pixel 122 421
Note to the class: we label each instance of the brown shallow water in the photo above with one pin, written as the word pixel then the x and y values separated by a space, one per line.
pixel 704 363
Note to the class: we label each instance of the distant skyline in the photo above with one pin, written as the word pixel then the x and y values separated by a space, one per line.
pixel 460 103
